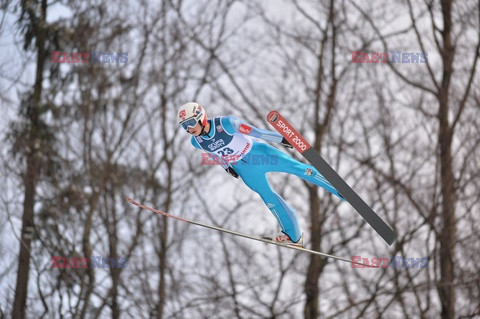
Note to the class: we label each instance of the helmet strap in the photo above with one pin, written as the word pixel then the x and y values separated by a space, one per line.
pixel 203 129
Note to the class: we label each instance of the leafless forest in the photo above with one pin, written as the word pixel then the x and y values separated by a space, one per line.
pixel 77 137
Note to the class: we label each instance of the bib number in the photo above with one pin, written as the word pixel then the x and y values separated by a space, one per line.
pixel 225 151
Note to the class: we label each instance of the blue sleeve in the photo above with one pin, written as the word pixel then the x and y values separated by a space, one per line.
pixel 232 125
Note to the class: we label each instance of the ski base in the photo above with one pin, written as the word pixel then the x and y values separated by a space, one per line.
pixel 312 156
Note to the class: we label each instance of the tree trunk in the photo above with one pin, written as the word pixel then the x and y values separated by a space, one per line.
pixel 315 267
pixel 317 219
pixel 163 226
pixel 31 174
pixel 446 288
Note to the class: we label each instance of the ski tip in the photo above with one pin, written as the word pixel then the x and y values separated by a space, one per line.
pixel 273 116
pixel 128 199
pixel 391 239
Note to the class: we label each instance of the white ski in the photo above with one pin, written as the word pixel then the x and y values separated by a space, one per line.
pixel 257 238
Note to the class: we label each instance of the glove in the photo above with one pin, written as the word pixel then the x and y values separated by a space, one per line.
pixel 231 171
pixel 286 143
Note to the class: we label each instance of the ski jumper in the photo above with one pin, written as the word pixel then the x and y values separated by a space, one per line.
pixel 230 143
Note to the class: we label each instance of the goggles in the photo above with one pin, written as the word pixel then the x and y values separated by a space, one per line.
pixel 191 122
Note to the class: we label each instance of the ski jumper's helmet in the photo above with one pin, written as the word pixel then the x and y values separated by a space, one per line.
pixel 190 114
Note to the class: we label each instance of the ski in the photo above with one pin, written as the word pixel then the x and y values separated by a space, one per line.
pixel 231 232
pixel 312 156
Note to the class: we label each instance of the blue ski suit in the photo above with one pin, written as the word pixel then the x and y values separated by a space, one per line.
pixel 230 144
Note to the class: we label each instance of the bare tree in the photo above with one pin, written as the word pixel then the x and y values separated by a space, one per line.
pixel 438 84
pixel 33 20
